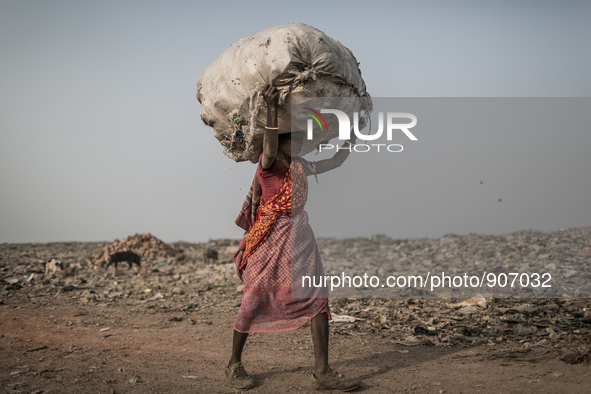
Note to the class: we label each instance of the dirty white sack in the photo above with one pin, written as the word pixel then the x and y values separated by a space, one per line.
pixel 298 59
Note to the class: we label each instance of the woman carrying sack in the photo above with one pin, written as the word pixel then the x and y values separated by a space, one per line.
pixel 279 243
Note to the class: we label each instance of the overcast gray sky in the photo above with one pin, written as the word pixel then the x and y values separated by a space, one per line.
pixel 100 134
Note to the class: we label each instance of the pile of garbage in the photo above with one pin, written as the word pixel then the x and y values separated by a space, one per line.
pixel 145 245
pixel 562 259
pixel 35 274
pixel 543 323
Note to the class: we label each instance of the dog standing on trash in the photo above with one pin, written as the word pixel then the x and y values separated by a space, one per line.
pixel 128 256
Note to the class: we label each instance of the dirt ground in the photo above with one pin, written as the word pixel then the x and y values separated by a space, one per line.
pixel 121 338
pixel 62 348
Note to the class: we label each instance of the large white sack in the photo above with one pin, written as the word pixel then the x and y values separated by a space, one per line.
pixel 295 58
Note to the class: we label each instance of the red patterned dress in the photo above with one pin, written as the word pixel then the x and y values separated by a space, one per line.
pixel 280 244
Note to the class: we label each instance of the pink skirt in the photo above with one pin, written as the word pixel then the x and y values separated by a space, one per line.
pixel 267 303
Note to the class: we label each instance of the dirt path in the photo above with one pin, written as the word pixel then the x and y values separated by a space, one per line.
pixel 114 348
pixel 166 328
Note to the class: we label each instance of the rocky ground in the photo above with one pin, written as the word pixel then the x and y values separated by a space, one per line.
pixel 68 324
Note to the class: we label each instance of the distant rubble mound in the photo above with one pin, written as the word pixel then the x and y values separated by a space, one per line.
pixel 198 252
pixel 149 247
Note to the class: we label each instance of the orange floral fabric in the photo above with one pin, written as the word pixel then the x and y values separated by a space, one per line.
pixel 290 198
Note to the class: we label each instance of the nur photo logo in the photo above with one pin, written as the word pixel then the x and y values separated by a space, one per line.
pixel 392 120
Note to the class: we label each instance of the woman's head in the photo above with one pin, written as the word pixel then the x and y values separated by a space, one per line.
pixel 291 143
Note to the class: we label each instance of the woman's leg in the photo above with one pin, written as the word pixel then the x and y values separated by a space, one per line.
pixel 320 339
pixel 237 345
pixel 324 377
pixel 235 372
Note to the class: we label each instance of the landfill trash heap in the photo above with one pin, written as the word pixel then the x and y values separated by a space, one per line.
pixel 145 245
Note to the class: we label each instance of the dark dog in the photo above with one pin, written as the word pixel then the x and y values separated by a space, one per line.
pixel 210 254
pixel 118 257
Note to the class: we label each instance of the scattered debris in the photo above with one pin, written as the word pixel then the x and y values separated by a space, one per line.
pixel 576 358
pixel 41 272
pixel 37 348
pixel 424 331
pixel 410 341
pixel 467 310
pixel 343 318
pixel 475 301
pixel 521 330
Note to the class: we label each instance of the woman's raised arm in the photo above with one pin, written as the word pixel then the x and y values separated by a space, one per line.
pixel 270 139
pixel 338 159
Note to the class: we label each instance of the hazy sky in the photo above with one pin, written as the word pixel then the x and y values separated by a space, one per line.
pixel 100 135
